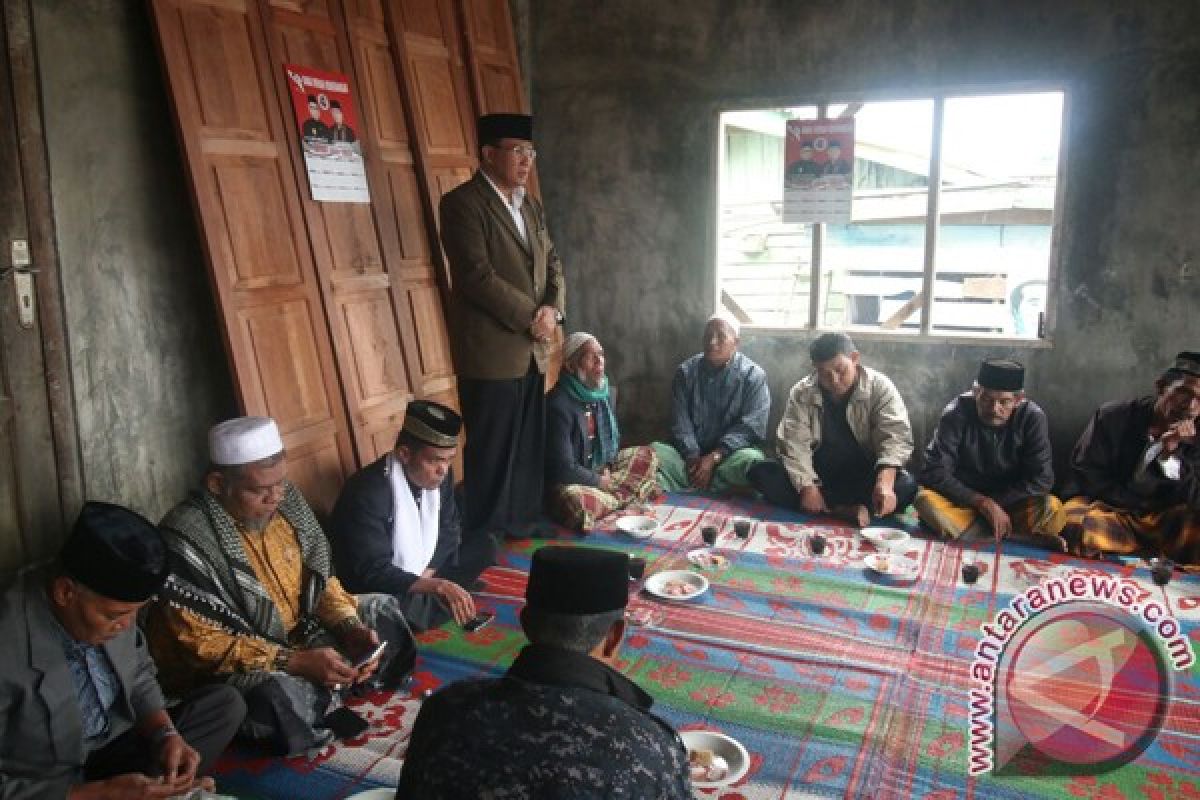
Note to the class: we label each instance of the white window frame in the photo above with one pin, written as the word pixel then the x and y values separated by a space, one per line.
pixel 932 218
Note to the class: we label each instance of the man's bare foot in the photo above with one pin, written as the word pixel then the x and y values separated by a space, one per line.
pixel 858 516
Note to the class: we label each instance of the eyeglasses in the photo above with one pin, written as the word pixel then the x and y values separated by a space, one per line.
pixel 520 151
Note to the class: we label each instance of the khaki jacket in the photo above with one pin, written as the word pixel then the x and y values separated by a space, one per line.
pixel 876 415
pixel 498 282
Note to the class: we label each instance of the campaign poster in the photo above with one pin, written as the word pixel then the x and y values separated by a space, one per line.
pixel 818 175
pixel 329 135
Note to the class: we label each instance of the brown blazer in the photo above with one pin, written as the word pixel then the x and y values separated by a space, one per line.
pixel 498 281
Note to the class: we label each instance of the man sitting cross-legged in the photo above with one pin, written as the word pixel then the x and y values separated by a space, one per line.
pixel 252 601
pixel 988 466
pixel 1135 473
pixel 587 476
pixel 842 442
pixel 719 408
pixel 84 717
pixel 396 527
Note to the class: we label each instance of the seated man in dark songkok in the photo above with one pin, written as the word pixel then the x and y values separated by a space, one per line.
pixel 1135 473
pixel 83 713
pixel 843 440
pixel 587 475
pixel 252 601
pixel 396 527
pixel 562 722
pixel 719 408
pixel 988 466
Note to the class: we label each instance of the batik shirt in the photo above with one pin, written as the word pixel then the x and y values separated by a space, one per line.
pixel 558 724
pixel 726 407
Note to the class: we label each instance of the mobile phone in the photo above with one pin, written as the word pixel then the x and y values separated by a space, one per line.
pixel 374 654
pixel 480 620
pixel 345 723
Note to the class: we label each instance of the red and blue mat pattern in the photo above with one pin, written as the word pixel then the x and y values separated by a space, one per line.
pixel 839 683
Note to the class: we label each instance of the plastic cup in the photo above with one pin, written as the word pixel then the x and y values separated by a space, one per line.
pixel 709 534
pixel 816 543
pixel 742 528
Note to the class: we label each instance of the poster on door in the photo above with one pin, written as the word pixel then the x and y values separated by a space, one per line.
pixel 818 175
pixel 329 134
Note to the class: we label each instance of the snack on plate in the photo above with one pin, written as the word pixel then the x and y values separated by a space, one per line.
pixel 705 765
pixel 678 589
pixel 709 560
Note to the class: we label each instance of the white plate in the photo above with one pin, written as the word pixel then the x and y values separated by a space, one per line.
pixel 638 527
pixel 706 558
pixel 656 584
pixel 724 746
pixel 374 794
pixel 890 539
pixel 892 565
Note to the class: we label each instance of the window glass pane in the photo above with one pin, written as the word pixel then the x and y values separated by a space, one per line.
pixel 999 172
pixel 871 268
pixel 763 265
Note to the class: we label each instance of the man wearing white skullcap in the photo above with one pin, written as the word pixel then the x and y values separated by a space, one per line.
pixel 252 601
pixel 587 475
pixel 720 404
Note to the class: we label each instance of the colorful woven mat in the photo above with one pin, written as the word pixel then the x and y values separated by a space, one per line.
pixel 838 681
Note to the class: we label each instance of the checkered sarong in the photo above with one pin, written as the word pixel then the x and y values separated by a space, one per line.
pixel 1100 528
pixel 1032 518
pixel 581 507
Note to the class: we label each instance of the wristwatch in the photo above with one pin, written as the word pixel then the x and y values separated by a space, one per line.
pixel 558 316
pixel 717 456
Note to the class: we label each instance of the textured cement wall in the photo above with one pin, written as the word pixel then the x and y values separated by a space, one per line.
pixel 627 94
pixel 148 367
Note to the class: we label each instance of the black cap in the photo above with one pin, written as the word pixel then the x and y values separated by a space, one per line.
pixel 1187 362
pixel 494 127
pixel 578 580
pixel 115 552
pixel 432 423
pixel 1001 375
pixel 312 98
pixel 336 104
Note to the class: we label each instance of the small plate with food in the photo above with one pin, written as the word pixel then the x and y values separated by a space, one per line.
pixel 677 584
pixel 715 759
pixel 892 565
pixel 705 558
pixel 638 527
pixel 889 540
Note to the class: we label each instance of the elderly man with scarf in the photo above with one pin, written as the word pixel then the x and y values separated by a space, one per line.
pixel 588 476
pixel 252 602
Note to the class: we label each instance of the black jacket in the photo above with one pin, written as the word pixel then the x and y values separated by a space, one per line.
pixel 360 532
pixel 1009 463
pixel 1109 452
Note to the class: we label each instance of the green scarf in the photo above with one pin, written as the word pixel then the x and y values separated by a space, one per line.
pixel 604 446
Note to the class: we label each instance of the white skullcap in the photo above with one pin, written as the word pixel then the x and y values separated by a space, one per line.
pixel 243 440
pixel 728 319
pixel 574 342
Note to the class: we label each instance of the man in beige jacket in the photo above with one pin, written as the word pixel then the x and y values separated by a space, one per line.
pixel 842 442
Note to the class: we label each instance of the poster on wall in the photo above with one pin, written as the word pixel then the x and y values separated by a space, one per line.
pixel 328 127
pixel 818 175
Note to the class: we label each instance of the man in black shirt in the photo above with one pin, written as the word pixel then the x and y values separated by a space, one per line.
pixel 988 466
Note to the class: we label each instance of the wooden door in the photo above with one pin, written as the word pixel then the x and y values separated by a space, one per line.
pixel 425 35
pixel 37 494
pixel 254 227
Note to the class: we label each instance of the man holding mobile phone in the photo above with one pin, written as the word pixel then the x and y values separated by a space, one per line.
pixel 396 527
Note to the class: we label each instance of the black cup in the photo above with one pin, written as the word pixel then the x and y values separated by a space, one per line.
pixel 1161 571
pixel 742 528
pixel 709 533
pixel 637 568
pixel 816 543
pixel 970 573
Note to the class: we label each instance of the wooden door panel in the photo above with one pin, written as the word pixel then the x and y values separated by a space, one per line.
pixel 239 158
pixel 379 362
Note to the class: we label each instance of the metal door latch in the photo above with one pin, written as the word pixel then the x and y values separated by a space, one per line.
pixel 22 270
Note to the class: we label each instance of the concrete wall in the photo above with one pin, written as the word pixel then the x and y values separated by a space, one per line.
pixel 627 94
pixel 148 366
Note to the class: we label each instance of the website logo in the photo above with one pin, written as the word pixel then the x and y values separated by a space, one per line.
pixel 1079 668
